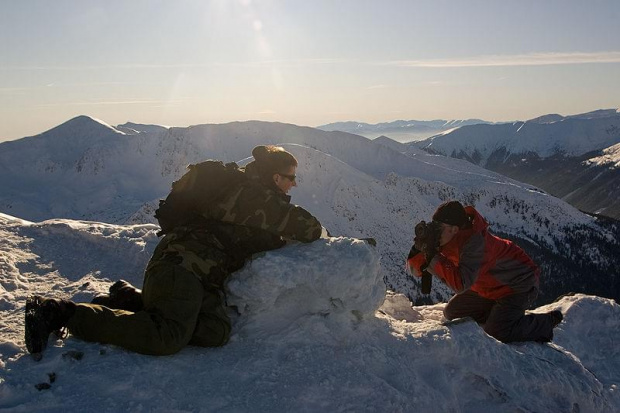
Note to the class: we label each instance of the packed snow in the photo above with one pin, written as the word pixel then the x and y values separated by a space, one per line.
pixel 312 333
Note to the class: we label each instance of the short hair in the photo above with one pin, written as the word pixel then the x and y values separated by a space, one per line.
pixel 451 213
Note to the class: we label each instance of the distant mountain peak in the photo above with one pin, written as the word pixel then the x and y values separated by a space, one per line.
pixel 595 114
pixel 554 117
pixel 83 125
pixel 88 121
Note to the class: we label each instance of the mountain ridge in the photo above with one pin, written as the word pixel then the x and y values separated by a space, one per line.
pixel 400 130
pixel 574 157
pixel 355 186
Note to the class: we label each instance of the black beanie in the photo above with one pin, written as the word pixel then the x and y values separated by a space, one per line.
pixel 451 213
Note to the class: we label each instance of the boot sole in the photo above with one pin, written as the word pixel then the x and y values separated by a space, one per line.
pixel 34 342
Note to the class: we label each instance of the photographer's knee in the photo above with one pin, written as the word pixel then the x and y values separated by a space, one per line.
pixel 448 313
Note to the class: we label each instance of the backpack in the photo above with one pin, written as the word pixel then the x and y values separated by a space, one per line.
pixel 204 184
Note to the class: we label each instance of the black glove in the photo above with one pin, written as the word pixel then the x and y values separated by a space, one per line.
pixel 125 296
pixel 371 241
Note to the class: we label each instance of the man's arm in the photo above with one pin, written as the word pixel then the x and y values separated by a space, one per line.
pixel 463 276
pixel 416 262
pixel 254 207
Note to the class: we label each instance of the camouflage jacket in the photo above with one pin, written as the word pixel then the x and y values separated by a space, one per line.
pixel 250 218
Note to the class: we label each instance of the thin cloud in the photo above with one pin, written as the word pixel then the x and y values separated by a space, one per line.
pixel 61 84
pixel 257 63
pixel 14 89
pixel 107 102
pixel 533 59
pixel 378 87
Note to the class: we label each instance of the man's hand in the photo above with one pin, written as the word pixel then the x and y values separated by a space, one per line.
pixel 427 282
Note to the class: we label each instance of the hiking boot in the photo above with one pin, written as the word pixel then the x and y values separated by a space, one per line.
pixel 556 317
pixel 43 317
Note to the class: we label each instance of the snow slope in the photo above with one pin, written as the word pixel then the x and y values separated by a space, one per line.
pixel 309 338
pixel 570 136
pixel 572 157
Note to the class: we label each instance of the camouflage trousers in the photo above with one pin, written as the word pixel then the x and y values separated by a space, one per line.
pixel 177 311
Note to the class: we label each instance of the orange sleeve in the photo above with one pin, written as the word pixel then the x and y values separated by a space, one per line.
pixel 416 263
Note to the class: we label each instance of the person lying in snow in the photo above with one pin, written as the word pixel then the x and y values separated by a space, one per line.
pixel 494 280
pixel 181 299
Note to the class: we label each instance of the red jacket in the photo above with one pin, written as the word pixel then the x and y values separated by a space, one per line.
pixel 479 261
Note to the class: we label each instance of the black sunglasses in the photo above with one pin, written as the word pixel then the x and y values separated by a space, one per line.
pixel 289 177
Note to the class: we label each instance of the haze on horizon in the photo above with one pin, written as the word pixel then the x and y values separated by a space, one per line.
pixel 301 62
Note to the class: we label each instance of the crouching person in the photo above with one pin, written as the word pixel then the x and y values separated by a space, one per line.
pixel 494 280
pixel 181 298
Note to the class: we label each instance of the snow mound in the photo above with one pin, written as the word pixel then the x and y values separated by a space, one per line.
pixel 467 370
pixel 592 320
pixel 338 277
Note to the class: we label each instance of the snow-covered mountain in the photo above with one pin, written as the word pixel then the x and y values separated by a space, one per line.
pixel 400 130
pixel 135 128
pixel 313 334
pixel 83 168
pixel 355 186
pixel 570 157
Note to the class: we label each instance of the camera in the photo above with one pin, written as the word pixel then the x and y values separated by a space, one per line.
pixel 426 240
pixel 427 236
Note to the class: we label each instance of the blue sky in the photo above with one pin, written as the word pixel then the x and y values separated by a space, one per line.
pixel 304 62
